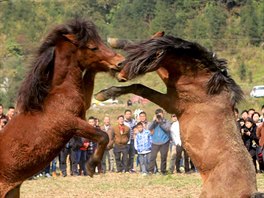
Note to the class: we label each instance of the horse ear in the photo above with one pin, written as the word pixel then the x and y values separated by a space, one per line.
pixel 71 38
pixel 118 43
pixel 158 34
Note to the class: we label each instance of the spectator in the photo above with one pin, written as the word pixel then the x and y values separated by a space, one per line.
pixel 3 122
pixel 262 114
pixel 121 134
pixel 188 165
pixel 244 114
pixel 160 130
pixel 143 147
pixel 175 135
pixel 109 152
pixel 10 113
pixel 260 135
pixel 130 122
pixel 97 122
pixel 250 112
pixel 241 125
pixel 175 142
pixel 250 139
pixel 2 115
pixel 257 121
pixel 82 156
pixel 256 118
pixel 143 119
pixel 53 168
pixel 92 145
pixel 69 150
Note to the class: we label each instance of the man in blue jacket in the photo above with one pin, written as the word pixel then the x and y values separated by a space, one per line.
pixel 160 130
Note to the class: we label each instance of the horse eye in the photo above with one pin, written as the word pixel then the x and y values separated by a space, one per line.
pixel 94 48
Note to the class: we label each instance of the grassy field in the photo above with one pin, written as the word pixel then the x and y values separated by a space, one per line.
pixel 124 185
pixel 118 185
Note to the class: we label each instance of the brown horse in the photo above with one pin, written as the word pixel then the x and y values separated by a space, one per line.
pixel 52 102
pixel 203 96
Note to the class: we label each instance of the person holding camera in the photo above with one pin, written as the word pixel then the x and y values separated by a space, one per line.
pixel 160 131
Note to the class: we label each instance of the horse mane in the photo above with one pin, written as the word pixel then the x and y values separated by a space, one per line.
pixel 145 57
pixel 37 82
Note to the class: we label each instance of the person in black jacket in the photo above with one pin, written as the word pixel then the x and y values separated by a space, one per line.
pixel 70 149
pixel 250 139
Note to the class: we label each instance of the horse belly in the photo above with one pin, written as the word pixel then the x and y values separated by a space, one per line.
pixel 26 147
pixel 218 153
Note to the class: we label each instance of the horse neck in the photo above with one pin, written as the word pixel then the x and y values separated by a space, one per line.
pixel 185 80
pixel 67 73
pixel 88 87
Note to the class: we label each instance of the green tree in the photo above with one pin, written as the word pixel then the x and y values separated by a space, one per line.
pixel 131 18
pixel 261 20
pixel 12 70
pixel 249 22
pixel 242 71
pixel 197 30
pixel 164 18
pixel 216 17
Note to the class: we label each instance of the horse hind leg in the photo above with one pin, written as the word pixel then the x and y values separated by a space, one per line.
pixel 14 192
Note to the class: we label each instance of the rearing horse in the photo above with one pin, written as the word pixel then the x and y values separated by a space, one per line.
pixel 52 102
pixel 203 96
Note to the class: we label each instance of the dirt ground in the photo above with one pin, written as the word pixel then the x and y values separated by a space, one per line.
pixel 118 185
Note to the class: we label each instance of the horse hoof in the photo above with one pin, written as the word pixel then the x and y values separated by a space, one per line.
pixel 90 170
pixel 102 95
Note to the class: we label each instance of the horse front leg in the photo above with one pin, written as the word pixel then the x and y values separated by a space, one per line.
pixel 96 135
pixel 156 97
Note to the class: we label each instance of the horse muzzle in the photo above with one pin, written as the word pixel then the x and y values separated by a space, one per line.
pixel 120 78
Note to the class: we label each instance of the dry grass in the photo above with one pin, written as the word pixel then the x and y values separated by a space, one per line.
pixel 118 185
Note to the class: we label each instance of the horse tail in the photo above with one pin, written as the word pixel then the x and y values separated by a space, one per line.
pixel 220 81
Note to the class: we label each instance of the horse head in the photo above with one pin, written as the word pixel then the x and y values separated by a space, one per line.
pixel 92 53
pixel 74 46
pixel 127 45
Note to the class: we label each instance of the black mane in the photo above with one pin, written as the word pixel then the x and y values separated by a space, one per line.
pixel 146 56
pixel 36 85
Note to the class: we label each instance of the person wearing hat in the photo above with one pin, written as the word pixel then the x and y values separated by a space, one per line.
pixel 160 131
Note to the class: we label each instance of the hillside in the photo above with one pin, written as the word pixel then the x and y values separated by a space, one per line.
pixel 234 29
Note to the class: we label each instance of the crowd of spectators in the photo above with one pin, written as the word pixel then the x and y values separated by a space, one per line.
pixel 250 124
pixel 134 144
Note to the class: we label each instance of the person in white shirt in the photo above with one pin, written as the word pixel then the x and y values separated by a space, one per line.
pixel 176 139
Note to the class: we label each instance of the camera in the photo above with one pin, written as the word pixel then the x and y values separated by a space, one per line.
pixel 245 130
pixel 159 117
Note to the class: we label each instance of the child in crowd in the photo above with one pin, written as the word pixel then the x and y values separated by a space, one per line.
pixel 143 146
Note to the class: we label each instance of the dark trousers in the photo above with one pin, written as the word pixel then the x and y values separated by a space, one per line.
pixel 163 149
pixel 131 155
pixel 187 161
pixel 121 157
pixel 73 161
pixel 81 160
